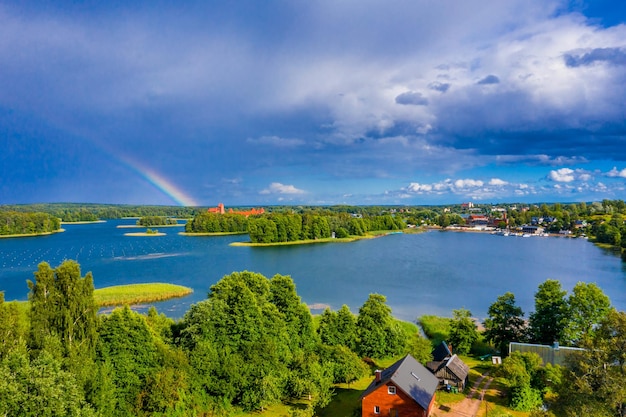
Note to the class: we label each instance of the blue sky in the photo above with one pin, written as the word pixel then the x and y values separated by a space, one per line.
pixel 324 102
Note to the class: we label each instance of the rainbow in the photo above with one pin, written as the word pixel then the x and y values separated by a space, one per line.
pixel 159 181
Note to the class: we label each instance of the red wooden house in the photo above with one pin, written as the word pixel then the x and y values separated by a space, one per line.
pixel 405 389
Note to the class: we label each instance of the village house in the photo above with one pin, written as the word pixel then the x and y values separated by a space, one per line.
pixel 404 389
pixel 449 369
pixel 451 372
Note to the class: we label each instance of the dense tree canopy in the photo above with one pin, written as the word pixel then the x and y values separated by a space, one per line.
pixel 17 223
pixel 463 331
pixel 379 335
pixel 505 323
pixel 547 323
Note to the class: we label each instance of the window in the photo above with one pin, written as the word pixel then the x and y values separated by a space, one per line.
pixel 391 389
pixel 376 409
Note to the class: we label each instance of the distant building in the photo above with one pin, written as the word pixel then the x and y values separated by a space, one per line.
pixel 220 210
pixel 532 230
pixel 477 220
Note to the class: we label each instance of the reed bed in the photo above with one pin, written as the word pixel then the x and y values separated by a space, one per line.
pixel 138 294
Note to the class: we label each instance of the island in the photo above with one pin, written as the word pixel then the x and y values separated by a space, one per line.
pixel 130 294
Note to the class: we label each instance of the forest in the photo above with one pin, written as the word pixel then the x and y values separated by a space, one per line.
pixel 17 223
pixel 252 343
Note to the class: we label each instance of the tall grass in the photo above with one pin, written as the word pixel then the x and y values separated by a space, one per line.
pixel 138 294
pixel 436 328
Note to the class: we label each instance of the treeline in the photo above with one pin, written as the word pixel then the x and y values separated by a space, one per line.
pixel 16 223
pixel 72 212
pixel 251 344
pixel 149 221
pixel 293 227
pixel 217 223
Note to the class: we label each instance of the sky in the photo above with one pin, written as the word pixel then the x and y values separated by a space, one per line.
pixel 323 102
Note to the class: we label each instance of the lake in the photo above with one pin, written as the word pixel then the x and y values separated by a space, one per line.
pixel 428 273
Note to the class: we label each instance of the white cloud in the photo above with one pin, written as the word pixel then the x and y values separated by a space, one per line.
pixel 562 175
pixel 615 173
pixel 497 182
pixel 417 187
pixel 468 183
pixel 278 188
pixel 567 175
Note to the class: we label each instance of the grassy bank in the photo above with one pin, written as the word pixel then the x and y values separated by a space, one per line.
pixel 212 233
pixel 138 294
pixel 32 234
pixel 369 235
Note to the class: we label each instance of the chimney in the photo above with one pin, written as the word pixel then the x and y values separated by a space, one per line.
pixel 378 373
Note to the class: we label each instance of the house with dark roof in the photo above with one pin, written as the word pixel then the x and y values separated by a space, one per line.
pixel 442 351
pixel 406 388
pixel 451 372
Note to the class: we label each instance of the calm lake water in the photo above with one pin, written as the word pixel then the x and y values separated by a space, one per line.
pixel 428 273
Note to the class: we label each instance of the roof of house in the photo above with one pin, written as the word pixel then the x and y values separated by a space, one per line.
pixel 411 377
pixel 454 365
pixel 458 367
pixel 441 352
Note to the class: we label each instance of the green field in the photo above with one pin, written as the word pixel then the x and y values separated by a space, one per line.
pixel 138 294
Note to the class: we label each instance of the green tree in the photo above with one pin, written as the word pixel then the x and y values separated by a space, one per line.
pixel 238 342
pixel 587 307
pixel 295 313
pixel 13 330
pixel 463 331
pixel 421 349
pixel 39 388
pixel 521 371
pixel 505 323
pixel 127 344
pixel 593 381
pixel 347 367
pixel 62 305
pixel 546 324
pixel 338 328
pixel 379 334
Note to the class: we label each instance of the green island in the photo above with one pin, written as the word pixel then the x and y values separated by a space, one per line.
pixel 119 295
pixel 148 232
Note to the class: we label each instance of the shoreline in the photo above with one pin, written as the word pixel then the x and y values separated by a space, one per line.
pixel 85 222
pixel 313 241
pixel 144 234
pixel 138 226
pixel 31 234
pixel 211 233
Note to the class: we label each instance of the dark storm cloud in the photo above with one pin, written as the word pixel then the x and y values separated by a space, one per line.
pixel 304 95
pixel 412 98
pixel 489 79
pixel 615 56
pixel 437 86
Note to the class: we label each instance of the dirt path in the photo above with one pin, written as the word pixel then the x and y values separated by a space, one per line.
pixel 469 406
